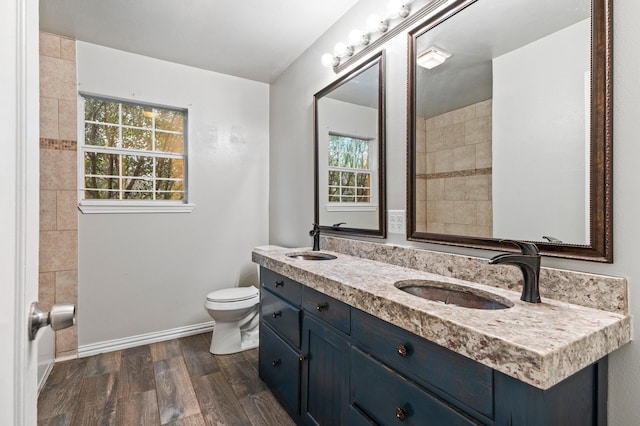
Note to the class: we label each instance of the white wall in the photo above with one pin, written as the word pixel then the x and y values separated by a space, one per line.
pixel 291 128
pixel 353 120
pixel 143 273
pixel 291 182
pixel 539 138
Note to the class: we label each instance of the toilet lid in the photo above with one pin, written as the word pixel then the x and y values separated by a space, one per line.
pixel 235 294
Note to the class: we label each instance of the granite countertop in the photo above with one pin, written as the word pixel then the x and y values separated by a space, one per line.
pixel 539 344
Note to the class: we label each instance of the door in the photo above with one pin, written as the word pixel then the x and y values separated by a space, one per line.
pixel 19 120
pixel 325 374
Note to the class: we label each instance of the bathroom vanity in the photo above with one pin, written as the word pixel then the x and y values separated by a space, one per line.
pixel 340 344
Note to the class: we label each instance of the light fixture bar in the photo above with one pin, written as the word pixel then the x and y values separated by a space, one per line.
pixel 429 8
pixel 392 32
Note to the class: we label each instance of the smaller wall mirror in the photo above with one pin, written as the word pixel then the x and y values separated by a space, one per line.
pixel 349 152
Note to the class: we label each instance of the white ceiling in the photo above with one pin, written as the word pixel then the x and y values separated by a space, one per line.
pixel 476 35
pixel 254 39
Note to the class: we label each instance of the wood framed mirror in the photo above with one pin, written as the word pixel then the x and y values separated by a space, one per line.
pixel 349 150
pixel 509 127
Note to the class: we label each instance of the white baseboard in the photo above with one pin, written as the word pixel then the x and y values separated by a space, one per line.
pixel 45 376
pixel 143 339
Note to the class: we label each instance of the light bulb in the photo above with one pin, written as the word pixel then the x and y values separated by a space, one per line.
pixel 328 60
pixel 404 10
pixel 393 8
pixel 341 50
pixel 357 37
pixel 376 24
pixel 398 8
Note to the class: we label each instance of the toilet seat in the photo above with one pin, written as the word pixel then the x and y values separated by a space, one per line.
pixel 232 298
pixel 235 294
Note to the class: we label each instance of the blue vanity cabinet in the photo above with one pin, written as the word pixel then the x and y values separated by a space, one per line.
pixel 279 368
pixel 280 359
pixel 580 399
pixel 331 364
pixel 454 378
pixel 282 316
pixel 395 370
pixel 389 398
pixel 325 374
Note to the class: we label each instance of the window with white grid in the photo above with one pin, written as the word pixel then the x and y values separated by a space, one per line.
pixel 133 152
pixel 349 170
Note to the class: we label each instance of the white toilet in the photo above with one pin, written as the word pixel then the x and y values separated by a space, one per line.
pixel 235 311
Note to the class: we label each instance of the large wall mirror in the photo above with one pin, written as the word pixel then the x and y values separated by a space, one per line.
pixel 510 126
pixel 350 151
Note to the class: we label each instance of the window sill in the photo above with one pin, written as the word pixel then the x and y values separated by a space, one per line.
pixel 351 207
pixel 133 207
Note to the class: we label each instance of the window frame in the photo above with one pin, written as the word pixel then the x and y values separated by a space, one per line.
pixel 102 206
pixel 346 206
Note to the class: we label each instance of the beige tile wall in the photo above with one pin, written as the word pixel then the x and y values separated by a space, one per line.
pixel 58 181
pixel 453 167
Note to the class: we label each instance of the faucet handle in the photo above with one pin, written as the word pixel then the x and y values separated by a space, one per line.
pixel 525 248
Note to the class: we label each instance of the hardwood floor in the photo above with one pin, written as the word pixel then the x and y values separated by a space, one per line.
pixel 177 383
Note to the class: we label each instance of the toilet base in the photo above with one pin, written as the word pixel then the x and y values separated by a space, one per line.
pixel 227 338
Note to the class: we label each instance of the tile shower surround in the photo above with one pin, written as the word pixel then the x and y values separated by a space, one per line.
pixel 453 172
pixel 58 280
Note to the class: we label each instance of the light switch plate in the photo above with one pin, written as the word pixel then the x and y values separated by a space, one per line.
pixel 396 221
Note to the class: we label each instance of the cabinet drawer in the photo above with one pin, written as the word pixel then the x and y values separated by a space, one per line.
pixel 358 418
pixel 279 367
pixel 389 398
pixel 430 365
pixel 330 310
pixel 281 285
pixel 282 316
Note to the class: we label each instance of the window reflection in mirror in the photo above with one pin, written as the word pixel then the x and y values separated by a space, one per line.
pixel 349 139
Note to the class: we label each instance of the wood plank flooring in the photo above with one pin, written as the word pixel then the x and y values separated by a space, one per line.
pixel 176 383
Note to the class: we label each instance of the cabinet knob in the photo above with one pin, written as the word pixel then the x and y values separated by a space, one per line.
pixel 402 350
pixel 277 314
pixel 279 283
pixel 302 358
pixel 276 362
pixel 322 306
pixel 401 414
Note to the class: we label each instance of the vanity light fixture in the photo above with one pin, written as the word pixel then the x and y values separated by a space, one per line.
pixel 376 24
pixel 341 50
pixel 396 9
pixel 358 38
pixel 432 57
pixel 328 60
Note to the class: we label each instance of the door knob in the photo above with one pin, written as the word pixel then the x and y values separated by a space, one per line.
pixel 62 315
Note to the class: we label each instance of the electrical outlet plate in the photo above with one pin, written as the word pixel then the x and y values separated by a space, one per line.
pixel 396 221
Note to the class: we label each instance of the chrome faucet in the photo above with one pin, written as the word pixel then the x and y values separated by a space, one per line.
pixel 529 263
pixel 315 233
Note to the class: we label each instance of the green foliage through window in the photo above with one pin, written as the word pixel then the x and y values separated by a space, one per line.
pixel 133 151
pixel 349 174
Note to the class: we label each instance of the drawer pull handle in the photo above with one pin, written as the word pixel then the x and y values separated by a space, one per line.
pixel 402 350
pixel 401 414
pixel 322 306
pixel 276 362
pixel 277 314
pixel 279 284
